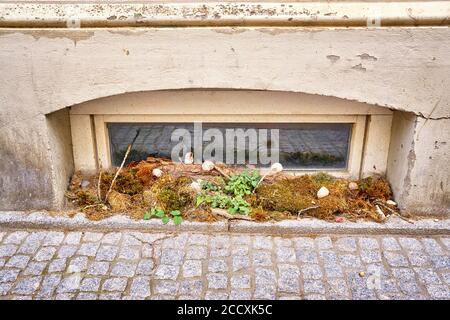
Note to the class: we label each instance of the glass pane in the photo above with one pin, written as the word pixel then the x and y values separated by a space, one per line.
pixel 306 146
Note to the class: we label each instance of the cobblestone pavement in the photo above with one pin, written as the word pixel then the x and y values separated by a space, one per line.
pixel 38 264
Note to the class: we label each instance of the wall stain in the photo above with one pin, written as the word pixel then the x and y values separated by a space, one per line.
pixel 368 57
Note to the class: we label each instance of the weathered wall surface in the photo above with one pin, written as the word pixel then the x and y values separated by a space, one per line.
pixel 45 70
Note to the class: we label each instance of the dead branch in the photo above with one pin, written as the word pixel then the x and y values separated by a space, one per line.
pixel 222 172
pixel 121 165
pixel 99 194
pixel 306 209
pixel 224 214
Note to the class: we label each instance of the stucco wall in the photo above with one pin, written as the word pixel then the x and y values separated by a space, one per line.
pixel 45 70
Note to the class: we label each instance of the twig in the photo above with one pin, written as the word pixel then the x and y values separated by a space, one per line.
pixel 122 164
pixel 306 209
pixel 223 213
pixel 378 202
pixel 221 172
pixel 92 205
pixel 99 195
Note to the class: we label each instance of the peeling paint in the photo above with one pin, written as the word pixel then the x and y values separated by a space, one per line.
pixel 333 58
pixel 365 56
pixel 359 67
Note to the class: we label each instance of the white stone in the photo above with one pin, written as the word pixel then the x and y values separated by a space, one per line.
pixel 157 172
pixel 323 192
pixel 189 158
pixel 353 186
pixel 207 165
pixel 391 203
pixel 276 167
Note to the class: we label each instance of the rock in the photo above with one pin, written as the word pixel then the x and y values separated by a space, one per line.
pixel 362 274
pixel 196 186
pixel 157 172
pixel 391 203
pixel 340 219
pixel 85 184
pixel 189 158
pixel 119 201
pixel 323 192
pixel 353 186
pixel 276 167
pixel 380 213
pixel 207 165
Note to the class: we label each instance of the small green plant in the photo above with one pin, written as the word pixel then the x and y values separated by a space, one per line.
pixel 174 215
pixel 243 183
pixel 209 186
pixel 239 205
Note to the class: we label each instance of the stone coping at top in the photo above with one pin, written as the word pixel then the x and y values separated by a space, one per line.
pixel 76 14
pixel 305 226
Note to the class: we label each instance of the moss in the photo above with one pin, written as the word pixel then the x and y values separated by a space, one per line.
pixel 86 198
pixel 126 183
pixel 373 188
pixel 173 193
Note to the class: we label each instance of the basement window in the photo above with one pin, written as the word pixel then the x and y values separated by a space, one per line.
pixel 301 146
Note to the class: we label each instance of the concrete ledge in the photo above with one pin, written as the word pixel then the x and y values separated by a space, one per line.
pixel 18 219
pixel 145 14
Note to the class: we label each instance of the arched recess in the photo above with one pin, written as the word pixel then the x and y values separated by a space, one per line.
pixel 370 124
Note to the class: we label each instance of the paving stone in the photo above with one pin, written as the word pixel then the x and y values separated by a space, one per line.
pixel 64 296
pixel 49 285
pixel 333 271
pixel 199 239
pixel 446 277
pixel 240 251
pixel 35 268
pixel 130 240
pixel 240 282
pixel 115 284
pixel 329 257
pixel 403 274
pixel 73 238
pixel 124 269
pixel 217 280
pixel 446 242
pixel 220 252
pixel 432 246
pixel 77 264
pixel 5 288
pixel 172 257
pixel 191 287
pixel 410 244
pixel 88 249
pixel 2 235
pixel 288 278
pixel 69 284
pixel 285 254
pixel 324 243
pixel 214 295
pixel 147 251
pixel 110 296
pixel 265 284
pixel 240 262
pixel 129 253
pixel 2 262
pixel 166 272
pixel 57 265
pixel 140 287
pixel 98 268
pixel 428 276
pixel 304 243
pixel 145 267
pixel 441 262
pixel 418 258
pixel 53 238
pixel 112 238
pixel 390 244
pixel 240 295
pixel 368 243
pixel 7 250
pixel 196 252
pixel 107 253
pixel 260 242
pixel 220 242
pixel 346 244
pixel 90 284
pixel 282 242
pixel 45 254
pixel 67 251
pixel 217 265
pixel 409 287
pixel 395 259
pixel 337 288
pixel 27 285
pixel 313 286
pixel 370 256
pixel 241 240
pixel 192 268
pixel 350 261
pixel 15 237
pixel 440 292
pixel 28 247
pixel 18 261
pixel 87 296
pixel 92 236
pixel 166 287
pixel 8 275
pixel 306 256
pixel 311 271
pixel 262 258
